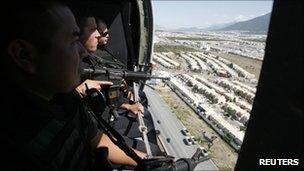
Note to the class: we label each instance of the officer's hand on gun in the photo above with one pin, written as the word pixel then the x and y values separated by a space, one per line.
pixel 125 88
pixel 92 84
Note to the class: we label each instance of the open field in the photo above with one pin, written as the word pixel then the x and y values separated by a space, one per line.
pixel 251 65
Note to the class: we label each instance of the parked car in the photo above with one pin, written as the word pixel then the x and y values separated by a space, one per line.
pixel 204 151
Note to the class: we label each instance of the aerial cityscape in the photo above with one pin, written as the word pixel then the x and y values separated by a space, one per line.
pixel 213 57
pixel 209 72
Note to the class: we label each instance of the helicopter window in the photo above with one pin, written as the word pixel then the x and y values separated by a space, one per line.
pixel 214 68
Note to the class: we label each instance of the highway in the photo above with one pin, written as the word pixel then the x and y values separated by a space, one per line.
pixel 170 127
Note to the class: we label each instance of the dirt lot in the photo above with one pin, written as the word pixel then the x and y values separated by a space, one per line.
pixel 221 153
pixel 251 65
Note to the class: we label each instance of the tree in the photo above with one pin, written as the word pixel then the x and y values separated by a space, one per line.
pixel 230 65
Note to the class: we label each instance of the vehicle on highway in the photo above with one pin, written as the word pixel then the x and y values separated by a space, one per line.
pixel 168 140
pixel 194 140
pixel 185 132
pixel 187 141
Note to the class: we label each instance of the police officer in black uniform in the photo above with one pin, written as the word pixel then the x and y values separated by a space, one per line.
pixel 126 125
pixel 44 124
pixel 126 122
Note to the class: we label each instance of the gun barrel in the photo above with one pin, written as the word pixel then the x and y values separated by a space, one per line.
pixel 87 71
pixel 126 74
pixel 157 77
pixel 132 75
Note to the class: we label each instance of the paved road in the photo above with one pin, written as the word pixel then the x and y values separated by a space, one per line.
pixel 170 127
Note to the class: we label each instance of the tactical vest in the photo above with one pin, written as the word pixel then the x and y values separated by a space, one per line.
pixel 61 145
pixel 58 146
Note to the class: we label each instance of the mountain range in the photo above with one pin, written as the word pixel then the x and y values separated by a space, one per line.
pixel 256 25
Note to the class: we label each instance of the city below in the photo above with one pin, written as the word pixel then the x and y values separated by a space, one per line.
pixel 209 71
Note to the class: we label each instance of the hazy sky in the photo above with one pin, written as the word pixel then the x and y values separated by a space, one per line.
pixel 175 14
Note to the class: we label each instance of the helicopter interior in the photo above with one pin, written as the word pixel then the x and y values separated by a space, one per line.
pixel 279 96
